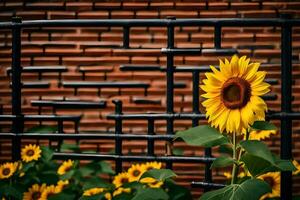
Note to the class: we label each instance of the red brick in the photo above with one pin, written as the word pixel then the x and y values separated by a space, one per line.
pixel 137 52
pixel 122 14
pixel 97 51
pixel 45 5
pixel 190 6
pixel 219 14
pixel 79 6
pixel 258 14
pixel 107 5
pixel 178 14
pixel 161 5
pixel 93 15
pixel 244 5
pixel 60 15
pixel 147 14
pixel 32 15
pixel 134 5
pixel 217 5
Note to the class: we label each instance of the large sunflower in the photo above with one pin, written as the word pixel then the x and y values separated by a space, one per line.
pixel 121 190
pixel 62 185
pixel 297 165
pixel 93 191
pixel 273 179
pixel 49 191
pixel 7 170
pixel 65 167
pixel 135 172
pixel 35 192
pixel 121 179
pixel 232 95
pixel 151 165
pixel 30 152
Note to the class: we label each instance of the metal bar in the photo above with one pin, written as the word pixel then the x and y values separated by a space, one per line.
pixel 126 39
pixel 206 185
pixel 17 126
pixel 150 145
pixel 118 131
pixel 218 36
pixel 229 22
pixel 286 106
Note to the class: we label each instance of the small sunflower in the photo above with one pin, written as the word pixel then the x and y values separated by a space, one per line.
pixel 121 179
pixel 65 167
pixel 30 152
pixel 93 191
pixel 273 179
pixel 297 165
pixel 121 190
pixel 8 169
pixel 151 165
pixel 62 184
pixel 151 182
pixel 261 134
pixel 232 95
pixel 135 172
pixel 240 175
pixel 107 196
pixel 49 191
pixel 35 192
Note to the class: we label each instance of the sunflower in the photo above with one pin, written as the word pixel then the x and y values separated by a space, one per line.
pixel 62 184
pixel 240 175
pixel 151 165
pixel 93 191
pixel 65 167
pixel 261 134
pixel 35 192
pixel 135 172
pixel 121 179
pixel 107 196
pixel 8 169
pixel 49 191
pixel 151 182
pixel 273 179
pixel 30 152
pixel 232 95
pixel 121 190
pixel 297 165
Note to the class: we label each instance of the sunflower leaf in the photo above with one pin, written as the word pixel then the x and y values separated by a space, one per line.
pixel 222 161
pixel 258 149
pixel 263 125
pixel 248 190
pixel 159 174
pixel 203 135
pixel 151 194
pixel 42 129
pixel 47 153
pixel 62 195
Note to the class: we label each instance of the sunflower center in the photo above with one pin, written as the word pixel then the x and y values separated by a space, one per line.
pixel 136 173
pixel 30 153
pixel 235 93
pixel 124 180
pixel 6 171
pixel 36 195
pixel 270 181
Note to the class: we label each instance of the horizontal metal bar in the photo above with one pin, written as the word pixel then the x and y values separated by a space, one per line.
pixel 97 156
pixel 207 185
pixel 140 68
pixel 41 69
pixel 231 22
pixel 192 51
pixel 87 136
pixel 42 117
pixel 70 104
pixel 40 84
pixel 96 84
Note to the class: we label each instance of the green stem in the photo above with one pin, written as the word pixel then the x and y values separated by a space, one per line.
pixel 234 156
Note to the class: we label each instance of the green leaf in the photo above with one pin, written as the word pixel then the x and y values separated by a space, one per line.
pixel 48 177
pixel 42 129
pixel 94 197
pixel 159 174
pixel 68 175
pixel 151 194
pixel 123 196
pixel 177 192
pixel 61 196
pixel 95 182
pixel 258 149
pixel 177 151
pixel 106 168
pixel 12 192
pixel 255 165
pixel 222 161
pixel 263 125
pixel 248 190
pixel 225 149
pixel 70 147
pixel 47 153
pixel 203 135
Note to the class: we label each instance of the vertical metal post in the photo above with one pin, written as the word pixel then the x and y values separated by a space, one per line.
pixel 170 86
pixel 150 145
pixel 118 131
pixel 286 107
pixel 126 31
pixel 218 36
pixel 17 126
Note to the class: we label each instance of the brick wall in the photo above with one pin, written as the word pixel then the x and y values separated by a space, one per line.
pixel 90 50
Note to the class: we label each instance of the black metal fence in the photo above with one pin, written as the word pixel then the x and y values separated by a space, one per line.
pixel 285 116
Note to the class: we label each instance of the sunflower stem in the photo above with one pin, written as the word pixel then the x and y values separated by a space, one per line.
pixel 234 156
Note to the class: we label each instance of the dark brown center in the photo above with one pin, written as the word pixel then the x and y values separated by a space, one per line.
pixel 30 153
pixel 235 93
pixel 6 171
pixel 36 195
pixel 270 181
pixel 136 173
pixel 124 180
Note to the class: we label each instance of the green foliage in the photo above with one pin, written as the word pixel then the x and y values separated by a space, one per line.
pixel 222 161
pixel 42 129
pixel 248 190
pixel 151 194
pixel 159 174
pixel 203 135
pixel 263 125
